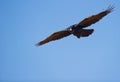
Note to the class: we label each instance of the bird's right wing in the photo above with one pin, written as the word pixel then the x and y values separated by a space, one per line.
pixel 55 36
pixel 95 18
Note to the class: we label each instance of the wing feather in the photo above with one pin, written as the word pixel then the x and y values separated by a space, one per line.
pixel 95 18
pixel 55 36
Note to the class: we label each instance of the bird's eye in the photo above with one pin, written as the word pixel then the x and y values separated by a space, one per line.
pixel 70 29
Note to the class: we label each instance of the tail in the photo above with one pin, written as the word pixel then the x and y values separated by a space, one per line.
pixel 83 33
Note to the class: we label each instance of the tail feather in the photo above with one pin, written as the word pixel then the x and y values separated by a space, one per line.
pixel 84 33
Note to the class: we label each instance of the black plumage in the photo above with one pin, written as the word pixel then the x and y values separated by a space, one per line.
pixel 77 29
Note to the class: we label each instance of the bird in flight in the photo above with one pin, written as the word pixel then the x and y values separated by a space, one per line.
pixel 77 29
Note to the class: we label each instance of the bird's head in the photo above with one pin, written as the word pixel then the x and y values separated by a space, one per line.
pixel 71 28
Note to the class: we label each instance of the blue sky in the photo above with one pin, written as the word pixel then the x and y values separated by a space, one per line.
pixel 25 22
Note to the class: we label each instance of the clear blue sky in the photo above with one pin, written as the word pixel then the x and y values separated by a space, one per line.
pixel 25 22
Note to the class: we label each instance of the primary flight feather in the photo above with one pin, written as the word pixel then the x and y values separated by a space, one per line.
pixel 77 29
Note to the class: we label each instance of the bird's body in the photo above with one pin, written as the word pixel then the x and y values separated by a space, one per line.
pixel 77 29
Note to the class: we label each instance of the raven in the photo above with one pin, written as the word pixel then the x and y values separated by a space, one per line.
pixel 78 29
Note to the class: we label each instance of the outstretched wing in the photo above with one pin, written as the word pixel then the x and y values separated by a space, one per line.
pixel 55 36
pixel 95 18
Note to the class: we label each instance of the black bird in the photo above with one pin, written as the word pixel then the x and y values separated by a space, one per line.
pixel 77 29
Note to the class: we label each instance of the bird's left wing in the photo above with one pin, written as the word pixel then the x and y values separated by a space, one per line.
pixel 55 36
pixel 95 18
